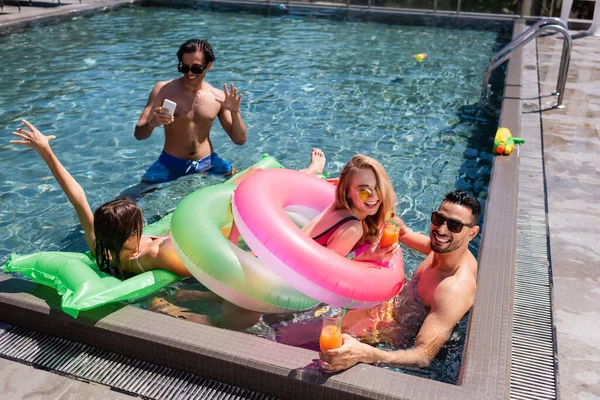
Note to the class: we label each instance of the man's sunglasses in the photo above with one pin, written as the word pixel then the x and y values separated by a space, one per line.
pixel 365 193
pixel 453 225
pixel 196 69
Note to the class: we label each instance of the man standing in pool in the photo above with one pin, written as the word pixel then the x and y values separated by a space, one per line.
pixel 187 148
pixel 444 286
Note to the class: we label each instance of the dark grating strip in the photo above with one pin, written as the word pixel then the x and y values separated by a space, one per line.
pixel 533 358
pixel 122 373
pixel 533 361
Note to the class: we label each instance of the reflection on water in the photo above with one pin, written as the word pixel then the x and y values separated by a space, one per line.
pixel 343 86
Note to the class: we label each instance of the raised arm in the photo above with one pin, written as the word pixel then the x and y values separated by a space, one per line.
pixel 449 305
pixel 230 115
pixel 153 115
pixel 39 142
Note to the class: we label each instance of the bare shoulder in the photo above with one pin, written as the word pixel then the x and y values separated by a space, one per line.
pixel 354 226
pixel 354 223
pixel 461 286
pixel 167 86
pixel 158 90
pixel 465 277
pixel 150 259
pixel 162 84
pixel 218 93
pixel 212 88
pixel 350 231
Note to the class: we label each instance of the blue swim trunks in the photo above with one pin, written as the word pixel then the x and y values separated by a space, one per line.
pixel 168 167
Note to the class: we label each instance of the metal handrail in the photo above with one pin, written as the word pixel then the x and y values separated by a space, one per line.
pixel 549 24
pixel 517 40
pixel 540 22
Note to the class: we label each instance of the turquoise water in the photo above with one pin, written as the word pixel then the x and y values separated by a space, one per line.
pixel 345 87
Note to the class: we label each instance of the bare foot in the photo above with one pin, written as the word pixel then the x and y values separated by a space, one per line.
pixel 231 173
pixel 162 306
pixel 317 162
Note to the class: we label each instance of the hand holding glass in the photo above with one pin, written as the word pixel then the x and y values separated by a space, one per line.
pixel 389 236
pixel 331 333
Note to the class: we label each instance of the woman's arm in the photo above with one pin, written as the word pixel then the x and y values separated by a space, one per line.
pixel 39 142
pixel 345 238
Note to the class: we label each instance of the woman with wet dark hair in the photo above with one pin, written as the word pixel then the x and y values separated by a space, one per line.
pixel 114 232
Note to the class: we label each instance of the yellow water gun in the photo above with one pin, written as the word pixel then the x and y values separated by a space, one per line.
pixel 504 142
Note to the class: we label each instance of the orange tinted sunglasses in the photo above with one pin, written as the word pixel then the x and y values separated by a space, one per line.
pixel 364 193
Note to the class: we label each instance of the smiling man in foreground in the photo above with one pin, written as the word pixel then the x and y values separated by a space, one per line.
pixel 444 286
pixel 187 147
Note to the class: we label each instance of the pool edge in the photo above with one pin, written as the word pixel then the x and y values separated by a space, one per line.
pixel 26 21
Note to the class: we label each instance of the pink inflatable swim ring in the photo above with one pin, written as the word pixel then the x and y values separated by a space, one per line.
pixel 259 205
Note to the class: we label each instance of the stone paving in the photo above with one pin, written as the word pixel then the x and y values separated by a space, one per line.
pixel 572 161
pixel 10 14
pixel 20 381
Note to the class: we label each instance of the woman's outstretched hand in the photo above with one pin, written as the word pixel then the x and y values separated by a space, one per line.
pixel 32 138
pixel 378 255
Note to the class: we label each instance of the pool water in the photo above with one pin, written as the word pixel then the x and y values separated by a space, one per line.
pixel 346 87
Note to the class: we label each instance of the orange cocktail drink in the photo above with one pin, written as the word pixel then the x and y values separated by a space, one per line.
pixel 389 236
pixel 331 333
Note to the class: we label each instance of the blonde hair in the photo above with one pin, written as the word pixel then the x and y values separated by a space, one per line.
pixel 375 222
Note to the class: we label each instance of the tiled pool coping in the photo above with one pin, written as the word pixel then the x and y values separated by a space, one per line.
pixel 254 363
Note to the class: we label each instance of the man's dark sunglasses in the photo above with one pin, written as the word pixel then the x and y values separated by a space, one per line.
pixel 196 69
pixel 453 225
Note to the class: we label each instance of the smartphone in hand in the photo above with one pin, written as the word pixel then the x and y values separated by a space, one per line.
pixel 170 105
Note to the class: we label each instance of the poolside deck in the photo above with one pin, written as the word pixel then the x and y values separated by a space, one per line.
pixel 571 155
pixel 26 382
pixel 571 140
pixel 10 14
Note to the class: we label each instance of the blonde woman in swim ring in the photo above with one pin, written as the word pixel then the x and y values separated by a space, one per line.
pixel 113 233
pixel 361 193
pixel 353 223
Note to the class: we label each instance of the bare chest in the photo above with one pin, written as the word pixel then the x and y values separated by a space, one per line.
pixel 200 108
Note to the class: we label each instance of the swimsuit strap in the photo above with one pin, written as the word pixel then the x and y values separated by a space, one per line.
pixel 137 260
pixel 323 237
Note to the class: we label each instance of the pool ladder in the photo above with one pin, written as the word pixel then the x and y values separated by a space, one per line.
pixel 535 30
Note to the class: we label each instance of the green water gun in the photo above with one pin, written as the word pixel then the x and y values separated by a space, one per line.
pixel 504 142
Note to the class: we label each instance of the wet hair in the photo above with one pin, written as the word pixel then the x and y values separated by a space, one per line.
pixel 114 223
pixel 375 222
pixel 466 200
pixel 194 46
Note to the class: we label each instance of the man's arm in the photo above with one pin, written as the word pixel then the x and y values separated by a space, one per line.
pixel 414 240
pixel 230 115
pixel 148 120
pixel 449 305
